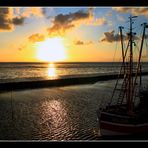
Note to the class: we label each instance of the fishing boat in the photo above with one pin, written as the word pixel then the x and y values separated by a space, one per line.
pixel 126 113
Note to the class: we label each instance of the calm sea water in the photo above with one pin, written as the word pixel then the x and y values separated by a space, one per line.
pixel 36 71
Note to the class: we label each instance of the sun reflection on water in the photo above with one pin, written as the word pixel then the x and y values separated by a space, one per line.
pixel 52 71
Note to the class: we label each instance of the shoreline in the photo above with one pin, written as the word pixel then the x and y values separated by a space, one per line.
pixel 8 86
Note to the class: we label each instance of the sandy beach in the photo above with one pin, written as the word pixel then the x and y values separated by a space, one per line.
pixel 56 113
pixel 60 113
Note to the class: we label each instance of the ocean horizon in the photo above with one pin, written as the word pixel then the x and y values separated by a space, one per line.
pixel 12 71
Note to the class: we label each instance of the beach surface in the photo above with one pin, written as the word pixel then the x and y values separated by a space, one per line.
pixel 58 113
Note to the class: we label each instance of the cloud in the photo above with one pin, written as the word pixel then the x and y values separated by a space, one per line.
pixel 134 10
pixel 112 37
pixel 32 39
pixel 63 22
pixel 5 19
pixel 18 20
pixel 100 21
pixel 31 11
pixel 79 42
pixel 36 37
pixel 10 17
pixel 122 9
pixel 8 20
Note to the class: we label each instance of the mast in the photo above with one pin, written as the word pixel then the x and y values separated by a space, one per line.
pixel 131 85
pixel 121 36
pixel 139 58
pixel 129 69
pixel 123 54
pixel 128 88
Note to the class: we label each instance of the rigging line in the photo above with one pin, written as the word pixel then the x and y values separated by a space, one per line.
pixel 110 102
pixel 128 43
pixel 137 49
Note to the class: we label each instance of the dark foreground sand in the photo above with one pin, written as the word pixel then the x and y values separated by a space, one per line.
pixel 59 113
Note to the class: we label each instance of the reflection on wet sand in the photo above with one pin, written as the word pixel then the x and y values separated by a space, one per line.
pixel 57 119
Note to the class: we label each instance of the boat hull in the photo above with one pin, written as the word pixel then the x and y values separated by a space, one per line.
pixel 110 128
pixel 113 124
pixel 106 132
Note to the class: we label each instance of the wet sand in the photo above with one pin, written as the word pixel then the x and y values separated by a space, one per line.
pixel 59 113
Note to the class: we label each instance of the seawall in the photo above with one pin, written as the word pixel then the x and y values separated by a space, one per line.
pixel 8 86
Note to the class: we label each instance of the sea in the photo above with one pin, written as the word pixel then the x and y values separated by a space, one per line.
pixel 11 72
pixel 64 113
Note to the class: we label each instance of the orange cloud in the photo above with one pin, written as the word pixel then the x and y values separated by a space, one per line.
pixel 134 10
pixel 36 37
pixel 32 11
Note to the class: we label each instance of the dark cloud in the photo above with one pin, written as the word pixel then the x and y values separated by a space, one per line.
pixel 112 37
pixel 36 37
pixel 63 22
pixel 8 20
pixel 5 21
pixel 18 20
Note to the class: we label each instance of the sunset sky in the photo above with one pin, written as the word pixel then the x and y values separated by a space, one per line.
pixel 69 34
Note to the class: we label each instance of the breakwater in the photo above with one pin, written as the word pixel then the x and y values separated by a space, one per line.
pixel 8 86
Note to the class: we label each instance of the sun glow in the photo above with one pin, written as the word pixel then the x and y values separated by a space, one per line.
pixel 51 50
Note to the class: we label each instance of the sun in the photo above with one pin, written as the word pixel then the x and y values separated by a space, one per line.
pixel 51 50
